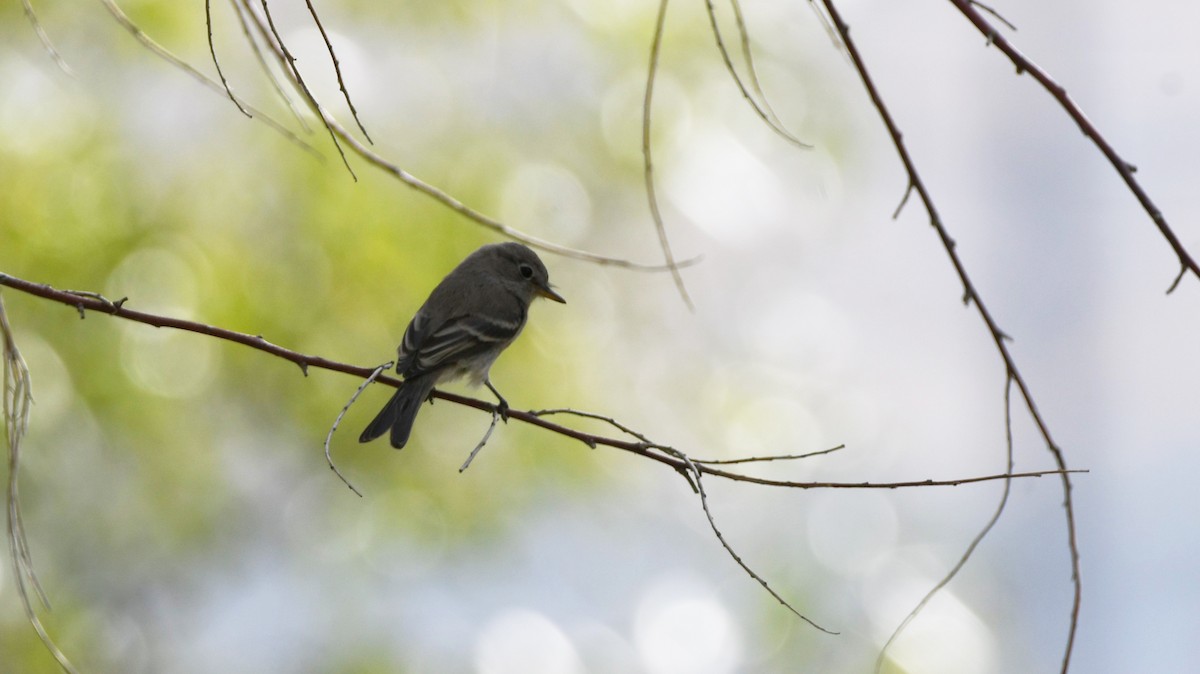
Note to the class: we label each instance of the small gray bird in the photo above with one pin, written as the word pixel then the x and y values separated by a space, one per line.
pixel 469 318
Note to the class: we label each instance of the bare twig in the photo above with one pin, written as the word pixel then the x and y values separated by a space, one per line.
pixel 165 54
pixel 1123 168
pixel 250 17
pixel 337 68
pixel 443 197
pixel 757 459
pixel 962 561
pixel 695 471
pixel 239 10
pixel 329 436
pixel 212 49
pixel 45 39
pixel 647 158
pixel 971 295
pixel 18 398
pixel 763 109
pixel 289 61
pixel 483 440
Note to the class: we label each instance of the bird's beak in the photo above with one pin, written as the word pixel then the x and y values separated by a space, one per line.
pixel 548 293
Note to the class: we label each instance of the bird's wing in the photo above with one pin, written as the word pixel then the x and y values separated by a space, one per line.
pixel 426 348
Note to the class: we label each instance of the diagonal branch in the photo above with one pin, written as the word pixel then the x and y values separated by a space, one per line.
pixel 970 295
pixel 1124 169
pixel 337 69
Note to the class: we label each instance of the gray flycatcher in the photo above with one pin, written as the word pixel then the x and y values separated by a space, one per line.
pixel 469 318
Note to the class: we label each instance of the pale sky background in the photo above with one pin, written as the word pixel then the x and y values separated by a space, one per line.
pixel 818 321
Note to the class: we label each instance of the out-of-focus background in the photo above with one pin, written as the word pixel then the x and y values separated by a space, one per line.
pixel 179 509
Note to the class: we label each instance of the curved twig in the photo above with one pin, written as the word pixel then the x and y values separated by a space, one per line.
pixel 17 398
pixel 165 54
pixel 970 294
pixel 442 196
pixel 962 561
pixel 762 109
pixel 240 11
pixel 45 39
pixel 694 469
pixel 289 63
pixel 647 158
pixel 212 49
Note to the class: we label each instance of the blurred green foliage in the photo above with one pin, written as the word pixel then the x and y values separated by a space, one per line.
pixel 158 458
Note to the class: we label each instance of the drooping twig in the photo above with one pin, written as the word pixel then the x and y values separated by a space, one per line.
pixel 962 561
pixel 252 17
pixel 444 198
pixel 45 39
pixel 346 408
pixel 972 296
pixel 1123 168
pixel 697 473
pixel 289 62
pixel 593 415
pixel 337 69
pixel 239 11
pixel 647 157
pixel 212 49
pixel 760 104
pixel 483 440
pixel 18 397
pixel 165 54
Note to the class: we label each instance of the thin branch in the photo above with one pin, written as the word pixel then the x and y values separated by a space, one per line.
pixel 239 11
pixel 962 561
pixel 1122 167
pixel 648 162
pixel 337 68
pixel 212 49
pixel 166 55
pixel 18 397
pixel 757 459
pixel 276 40
pixel 592 415
pixel 45 39
pixel 695 470
pixel 443 197
pixel 483 440
pixel 970 294
pixel 349 141
pixel 346 408
pixel 764 110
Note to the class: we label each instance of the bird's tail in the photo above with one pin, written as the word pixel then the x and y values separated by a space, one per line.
pixel 400 412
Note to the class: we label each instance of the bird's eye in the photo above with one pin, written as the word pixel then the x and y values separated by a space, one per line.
pixel 526 270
